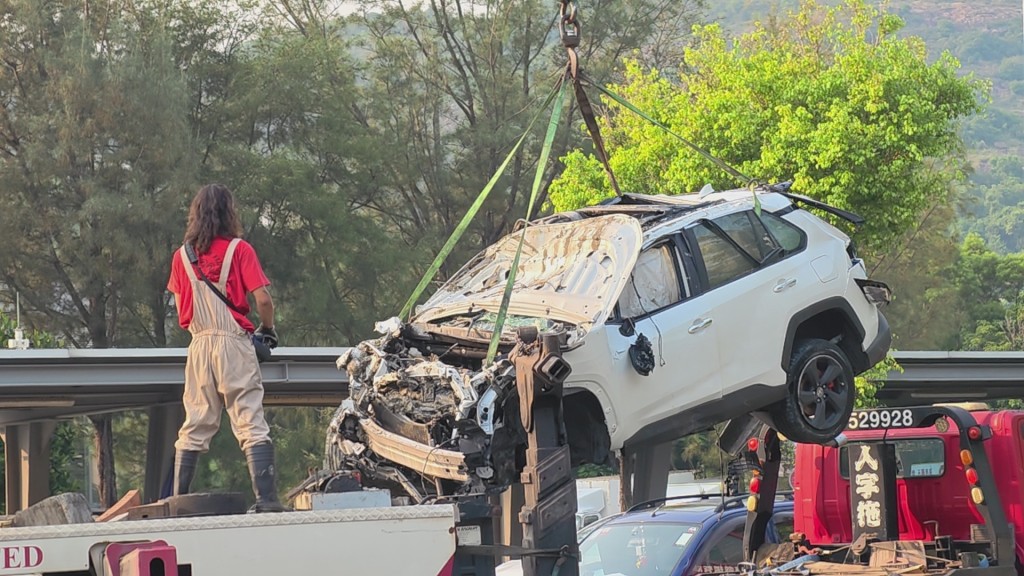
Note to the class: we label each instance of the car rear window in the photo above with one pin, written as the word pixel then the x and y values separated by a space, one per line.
pixel 636 549
pixel 915 458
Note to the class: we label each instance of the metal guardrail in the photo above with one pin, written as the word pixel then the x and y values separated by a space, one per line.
pixel 57 383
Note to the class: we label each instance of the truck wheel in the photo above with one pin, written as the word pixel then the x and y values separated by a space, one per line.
pixel 820 394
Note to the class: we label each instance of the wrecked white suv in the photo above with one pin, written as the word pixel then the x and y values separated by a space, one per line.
pixel 673 312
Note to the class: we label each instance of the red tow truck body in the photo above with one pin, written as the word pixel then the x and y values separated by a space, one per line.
pixel 932 490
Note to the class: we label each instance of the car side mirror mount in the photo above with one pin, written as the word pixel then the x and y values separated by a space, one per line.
pixel 627 328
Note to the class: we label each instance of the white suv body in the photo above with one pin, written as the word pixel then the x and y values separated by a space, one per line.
pixel 679 312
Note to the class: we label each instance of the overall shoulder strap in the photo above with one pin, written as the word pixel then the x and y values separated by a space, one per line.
pixel 188 264
pixel 225 267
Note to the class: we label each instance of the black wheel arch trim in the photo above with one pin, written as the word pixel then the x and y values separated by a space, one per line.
pixel 833 303
pixel 879 348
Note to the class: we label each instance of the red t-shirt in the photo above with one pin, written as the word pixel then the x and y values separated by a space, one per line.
pixel 246 274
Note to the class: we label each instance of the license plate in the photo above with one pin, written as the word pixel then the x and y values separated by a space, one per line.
pixel 880 418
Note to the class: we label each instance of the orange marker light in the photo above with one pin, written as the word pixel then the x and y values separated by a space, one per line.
pixel 966 457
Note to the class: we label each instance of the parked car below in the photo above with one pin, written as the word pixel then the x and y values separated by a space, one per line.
pixel 672 538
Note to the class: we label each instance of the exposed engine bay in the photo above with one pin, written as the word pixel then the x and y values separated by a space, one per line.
pixel 429 428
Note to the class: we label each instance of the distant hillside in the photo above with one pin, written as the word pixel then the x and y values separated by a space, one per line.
pixel 988 39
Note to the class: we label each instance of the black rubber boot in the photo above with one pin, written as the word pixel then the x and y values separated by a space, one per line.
pixel 264 484
pixel 185 462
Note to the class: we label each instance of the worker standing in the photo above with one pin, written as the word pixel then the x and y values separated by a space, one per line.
pixel 211 276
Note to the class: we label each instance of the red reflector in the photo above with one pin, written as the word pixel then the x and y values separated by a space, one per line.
pixel 755 485
pixel 974 433
pixel 752 444
pixel 972 475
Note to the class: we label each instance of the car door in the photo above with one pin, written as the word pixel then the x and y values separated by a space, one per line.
pixel 753 282
pixel 658 303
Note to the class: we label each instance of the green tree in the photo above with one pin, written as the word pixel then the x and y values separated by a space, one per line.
pixel 830 98
pixel 991 290
pixel 924 313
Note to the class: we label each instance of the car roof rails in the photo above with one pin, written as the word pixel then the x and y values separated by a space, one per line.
pixel 729 501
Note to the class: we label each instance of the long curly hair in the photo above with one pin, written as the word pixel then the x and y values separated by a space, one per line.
pixel 212 214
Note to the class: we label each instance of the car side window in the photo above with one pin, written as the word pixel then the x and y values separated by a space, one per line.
pixel 728 549
pixel 745 232
pixel 722 260
pixel 783 525
pixel 789 237
pixel 653 284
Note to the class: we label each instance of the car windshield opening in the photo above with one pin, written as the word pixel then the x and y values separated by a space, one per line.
pixel 635 549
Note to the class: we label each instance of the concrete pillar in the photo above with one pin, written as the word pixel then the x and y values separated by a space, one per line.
pixel 164 422
pixel 27 458
pixel 644 473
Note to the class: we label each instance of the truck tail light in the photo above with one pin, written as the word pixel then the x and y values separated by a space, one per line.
pixel 977 496
pixel 966 457
pixel 972 476
pixel 755 485
pixel 752 503
pixel 753 444
pixel 974 433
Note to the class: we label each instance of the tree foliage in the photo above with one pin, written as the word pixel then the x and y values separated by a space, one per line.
pixel 92 139
pixel 991 290
pixel 830 98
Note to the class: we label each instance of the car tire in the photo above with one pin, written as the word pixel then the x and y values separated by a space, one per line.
pixel 820 393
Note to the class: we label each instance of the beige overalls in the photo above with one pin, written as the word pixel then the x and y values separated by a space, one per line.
pixel 221 370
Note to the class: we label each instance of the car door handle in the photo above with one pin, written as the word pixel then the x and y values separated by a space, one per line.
pixel 699 324
pixel 784 284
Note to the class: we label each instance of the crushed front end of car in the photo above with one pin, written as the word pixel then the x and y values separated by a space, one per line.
pixel 427 428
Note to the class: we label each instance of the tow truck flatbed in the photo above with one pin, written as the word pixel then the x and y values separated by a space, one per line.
pixel 381 540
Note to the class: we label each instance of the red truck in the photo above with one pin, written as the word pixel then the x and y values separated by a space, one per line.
pixel 926 490
pixel 933 487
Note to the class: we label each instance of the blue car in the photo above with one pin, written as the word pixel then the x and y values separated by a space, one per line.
pixel 672 538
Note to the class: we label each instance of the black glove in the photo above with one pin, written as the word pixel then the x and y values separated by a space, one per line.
pixel 268 335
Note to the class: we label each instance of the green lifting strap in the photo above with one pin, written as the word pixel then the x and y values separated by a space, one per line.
pixel 464 224
pixel 506 297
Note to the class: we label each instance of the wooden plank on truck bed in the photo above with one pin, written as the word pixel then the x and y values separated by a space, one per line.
pixel 131 499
